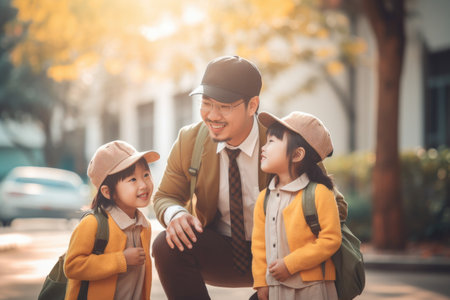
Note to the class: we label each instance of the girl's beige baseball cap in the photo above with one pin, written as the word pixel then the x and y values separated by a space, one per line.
pixel 306 125
pixel 114 157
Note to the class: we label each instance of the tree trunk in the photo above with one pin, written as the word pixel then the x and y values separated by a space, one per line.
pixel 387 21
pixel 51 156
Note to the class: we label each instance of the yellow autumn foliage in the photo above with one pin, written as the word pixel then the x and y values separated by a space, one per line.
pixel 325 52
pixel 66 37
pixel 355 47
pixel 60 73
pixel 334 67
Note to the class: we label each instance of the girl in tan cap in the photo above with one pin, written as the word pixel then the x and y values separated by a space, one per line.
pixel 123 181
pixel 287 256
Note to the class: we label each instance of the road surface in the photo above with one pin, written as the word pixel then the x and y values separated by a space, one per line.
pixel 39 242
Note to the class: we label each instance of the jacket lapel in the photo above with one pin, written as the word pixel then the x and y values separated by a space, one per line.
pixel 210 159
pixel 208 181
pixel 209 177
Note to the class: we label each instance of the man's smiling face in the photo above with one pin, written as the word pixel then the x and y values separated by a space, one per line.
pixel 228 122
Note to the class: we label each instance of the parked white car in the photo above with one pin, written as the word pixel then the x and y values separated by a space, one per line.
pixel 38 192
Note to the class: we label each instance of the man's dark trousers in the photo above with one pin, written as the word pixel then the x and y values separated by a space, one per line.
pixel 183 274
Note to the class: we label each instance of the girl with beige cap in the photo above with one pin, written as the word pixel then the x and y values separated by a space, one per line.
pixel 287 256
pixel 124 183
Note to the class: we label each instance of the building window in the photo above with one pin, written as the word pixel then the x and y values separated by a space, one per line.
pixel 183 111
pixel 145 118
pixel 437 101
pixel 110 123
pixel 110 112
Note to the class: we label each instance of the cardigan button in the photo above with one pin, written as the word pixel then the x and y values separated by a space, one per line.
pixel 274 245
pixel 278 194
pixel 273 218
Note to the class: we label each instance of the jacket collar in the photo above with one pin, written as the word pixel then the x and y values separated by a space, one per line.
pixel 248 145
pixel 124 221
pixel 210 160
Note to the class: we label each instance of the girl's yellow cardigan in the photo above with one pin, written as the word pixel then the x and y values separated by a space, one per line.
pixel 306 251
pixel 101 270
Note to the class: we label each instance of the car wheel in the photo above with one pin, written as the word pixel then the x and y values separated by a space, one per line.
pixel 7 222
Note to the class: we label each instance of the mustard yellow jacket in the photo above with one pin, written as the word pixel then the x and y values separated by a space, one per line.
pixel 101 270
pixel 306 251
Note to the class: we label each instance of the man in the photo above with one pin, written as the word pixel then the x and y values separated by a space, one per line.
pixel 211 244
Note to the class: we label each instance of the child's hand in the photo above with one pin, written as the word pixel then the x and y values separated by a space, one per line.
pixel 134 256
pixel 279 270
pixel 263 293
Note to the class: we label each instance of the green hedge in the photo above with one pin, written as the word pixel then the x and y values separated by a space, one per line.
pixel 425 191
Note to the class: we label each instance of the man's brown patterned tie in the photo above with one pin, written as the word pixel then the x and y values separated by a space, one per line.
pixel 240 252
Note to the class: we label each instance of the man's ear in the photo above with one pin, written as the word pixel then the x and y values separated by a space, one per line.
pixel 299 155
pixel 105 192
pixel 253 105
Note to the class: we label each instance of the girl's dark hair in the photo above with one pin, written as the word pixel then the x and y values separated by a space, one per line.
pixel 309 163
pixel 111 181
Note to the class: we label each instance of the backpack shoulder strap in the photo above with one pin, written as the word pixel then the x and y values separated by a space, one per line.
pixel 309 208
pixel 102 235
pixel 196 158
pixel 310 212
pixel 101 240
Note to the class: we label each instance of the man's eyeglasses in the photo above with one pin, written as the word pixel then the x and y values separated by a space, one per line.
pixel 224 109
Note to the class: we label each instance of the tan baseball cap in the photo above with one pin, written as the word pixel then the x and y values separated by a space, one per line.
pixel 230 78
pixel 308 126
pixel 114 157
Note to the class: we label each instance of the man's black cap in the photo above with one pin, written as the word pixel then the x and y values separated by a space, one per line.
pixel 230 78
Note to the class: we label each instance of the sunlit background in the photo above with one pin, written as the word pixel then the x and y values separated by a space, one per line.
pixel 75 74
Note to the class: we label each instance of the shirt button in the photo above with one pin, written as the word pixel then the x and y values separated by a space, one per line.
pixel 274 245
pixel 273 218
pixel 278 194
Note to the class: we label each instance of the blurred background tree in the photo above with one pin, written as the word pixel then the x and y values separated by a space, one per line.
pixel 160 38
pixel 387 19
pixel 24 94
pixel 165 39
pixel 425 188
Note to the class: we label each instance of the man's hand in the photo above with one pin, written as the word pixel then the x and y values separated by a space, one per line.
pixel 179 231
pixel 263 293
pixel 279 270
pixel 134 256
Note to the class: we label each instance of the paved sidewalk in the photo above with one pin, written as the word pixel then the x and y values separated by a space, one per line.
pixel 415 258
pixel 427 258
pixel 411 260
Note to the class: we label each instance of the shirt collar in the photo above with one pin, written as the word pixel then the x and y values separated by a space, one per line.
pixel 294 186
pixel 124 221
pixel 248 145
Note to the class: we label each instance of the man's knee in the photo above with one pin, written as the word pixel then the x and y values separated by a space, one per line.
pixel 160 246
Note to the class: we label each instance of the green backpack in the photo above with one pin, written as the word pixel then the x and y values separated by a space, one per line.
pixel 54 287
pixel 348 260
